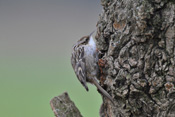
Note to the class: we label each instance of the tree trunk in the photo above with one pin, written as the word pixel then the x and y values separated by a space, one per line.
pixel 62 106
pixel 136 39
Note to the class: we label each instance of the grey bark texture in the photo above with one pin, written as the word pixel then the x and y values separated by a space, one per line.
pixel 136 39
pixel 62 106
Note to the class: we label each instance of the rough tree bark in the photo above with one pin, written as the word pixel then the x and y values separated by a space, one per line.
pixel 137 42
pixel 136 39
pixel 62 106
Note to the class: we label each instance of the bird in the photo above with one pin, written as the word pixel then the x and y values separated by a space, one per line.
pixel 84 60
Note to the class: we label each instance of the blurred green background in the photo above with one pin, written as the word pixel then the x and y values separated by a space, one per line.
pixel 36 37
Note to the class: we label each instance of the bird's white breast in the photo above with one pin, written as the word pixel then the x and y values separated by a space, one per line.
pixel 92 43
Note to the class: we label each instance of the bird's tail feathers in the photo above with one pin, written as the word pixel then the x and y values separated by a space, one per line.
pixel 104 93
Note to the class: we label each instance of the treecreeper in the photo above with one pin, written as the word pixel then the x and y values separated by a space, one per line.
pixel 84 61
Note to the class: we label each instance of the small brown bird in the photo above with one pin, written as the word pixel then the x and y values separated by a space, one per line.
pixel 84 61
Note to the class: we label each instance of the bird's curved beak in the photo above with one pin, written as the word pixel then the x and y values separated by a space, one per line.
pixel 91 33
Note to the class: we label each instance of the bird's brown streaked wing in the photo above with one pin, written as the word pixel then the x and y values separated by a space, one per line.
pixel 80 66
